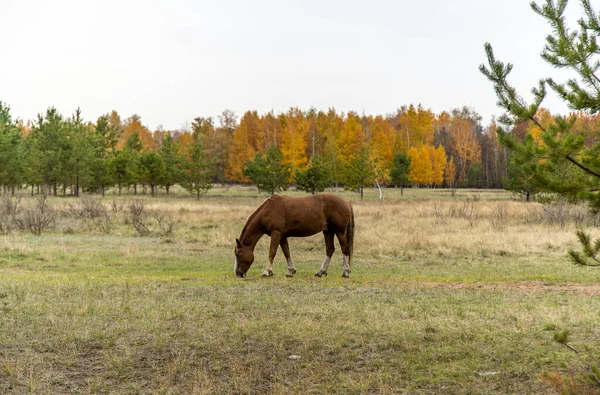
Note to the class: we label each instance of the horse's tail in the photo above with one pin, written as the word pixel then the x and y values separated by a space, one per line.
pixel 350 231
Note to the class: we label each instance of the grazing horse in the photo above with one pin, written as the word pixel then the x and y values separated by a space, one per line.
pixel 285 216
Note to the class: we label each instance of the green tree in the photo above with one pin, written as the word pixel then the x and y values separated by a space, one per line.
pixel 560 161
pixel 198 169
pixel 521 180
pixel 122 168
pixel 11 151
pixel 268 171
pixel 77 154
pixel 134 146
pixel 47 149
pixel 360 172
pixel 314 178
pixel 561 148
pixel 103 139
pixel 399 172
pixel 151 170
pixel 169 152
pixel 475 176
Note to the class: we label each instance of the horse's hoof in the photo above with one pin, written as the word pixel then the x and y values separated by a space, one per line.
pixel 291 273
pixel 321 274
pixel 346 275
pixel 267 273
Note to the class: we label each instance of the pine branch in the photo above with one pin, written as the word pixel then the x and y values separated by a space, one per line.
pixel 589 251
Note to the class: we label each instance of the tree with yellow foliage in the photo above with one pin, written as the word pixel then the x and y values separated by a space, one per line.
pixel 438 163
pixel 421 170
pixel 464 143
pixel 294 139
pixel 246 141
pixel 351 139
pixel 450 173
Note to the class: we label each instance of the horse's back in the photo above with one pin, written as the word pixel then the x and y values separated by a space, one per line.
pixel 315 213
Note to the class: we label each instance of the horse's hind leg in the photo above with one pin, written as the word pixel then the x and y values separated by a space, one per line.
pixel 285 247
pixel 329 250
pixel 346 251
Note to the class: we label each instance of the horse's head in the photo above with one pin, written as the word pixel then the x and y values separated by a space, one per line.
pixel 244 256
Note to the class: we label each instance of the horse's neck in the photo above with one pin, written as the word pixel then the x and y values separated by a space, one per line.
pixel 252 233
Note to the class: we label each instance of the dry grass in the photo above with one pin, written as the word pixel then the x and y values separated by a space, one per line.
pixel 454 296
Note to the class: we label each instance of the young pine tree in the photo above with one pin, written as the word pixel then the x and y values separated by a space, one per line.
pixel 314 178
pixel 198 170
pixel 268 172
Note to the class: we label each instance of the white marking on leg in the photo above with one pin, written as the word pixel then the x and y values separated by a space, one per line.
pixel 346 265
pixel 291 268
pixel 290 264
pixel 268 269
pixel 325 264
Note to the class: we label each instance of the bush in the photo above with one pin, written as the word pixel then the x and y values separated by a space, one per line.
pixel 38 218
pixel 9 210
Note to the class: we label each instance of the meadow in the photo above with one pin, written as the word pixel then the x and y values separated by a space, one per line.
pixel 460 293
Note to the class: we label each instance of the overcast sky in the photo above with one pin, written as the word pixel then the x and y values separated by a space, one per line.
pixel 173 60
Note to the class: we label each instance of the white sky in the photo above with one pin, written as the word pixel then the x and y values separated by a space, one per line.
pixel 173 60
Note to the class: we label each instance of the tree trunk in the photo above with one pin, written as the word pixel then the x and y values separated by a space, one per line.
pixel 167 188
pixel 401 190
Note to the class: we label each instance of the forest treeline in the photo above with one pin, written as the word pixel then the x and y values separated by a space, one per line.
pixel 65 155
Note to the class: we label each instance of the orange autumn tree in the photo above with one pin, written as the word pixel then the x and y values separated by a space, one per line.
pixel 464 143
pixel 416 126
pixel 438 163
pixel 248 138
pixel 450 173
pixel 133 125
pixel 421 170
pixel 294 140
pixel 351 139
pixel 382 147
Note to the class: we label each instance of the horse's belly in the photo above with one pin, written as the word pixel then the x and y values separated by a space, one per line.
pixel 301 232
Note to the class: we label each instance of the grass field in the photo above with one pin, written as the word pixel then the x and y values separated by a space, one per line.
pixel 447 295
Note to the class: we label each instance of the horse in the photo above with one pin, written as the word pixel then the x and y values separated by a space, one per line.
pixel 281 216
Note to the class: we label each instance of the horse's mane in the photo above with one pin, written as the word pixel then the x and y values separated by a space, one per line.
pixel 253 215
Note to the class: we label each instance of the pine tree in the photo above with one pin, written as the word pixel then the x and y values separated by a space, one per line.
pixel 562 147
pixel 268 172
pixel 399 172
pixel 360 172
pixel 198 169
pixel 560 161
pixel 11 151
pixel 314 178
pixel 151 170
pixel 169 152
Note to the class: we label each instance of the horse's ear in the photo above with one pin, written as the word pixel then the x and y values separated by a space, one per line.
pixel 239 244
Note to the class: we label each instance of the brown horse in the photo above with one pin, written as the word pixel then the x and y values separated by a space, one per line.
pixel 285 216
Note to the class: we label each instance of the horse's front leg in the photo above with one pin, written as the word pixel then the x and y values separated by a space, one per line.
pixel 275 238
pixel 329 250
pixel 285 247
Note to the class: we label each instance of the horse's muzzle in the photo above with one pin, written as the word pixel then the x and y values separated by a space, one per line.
pixel 240 274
